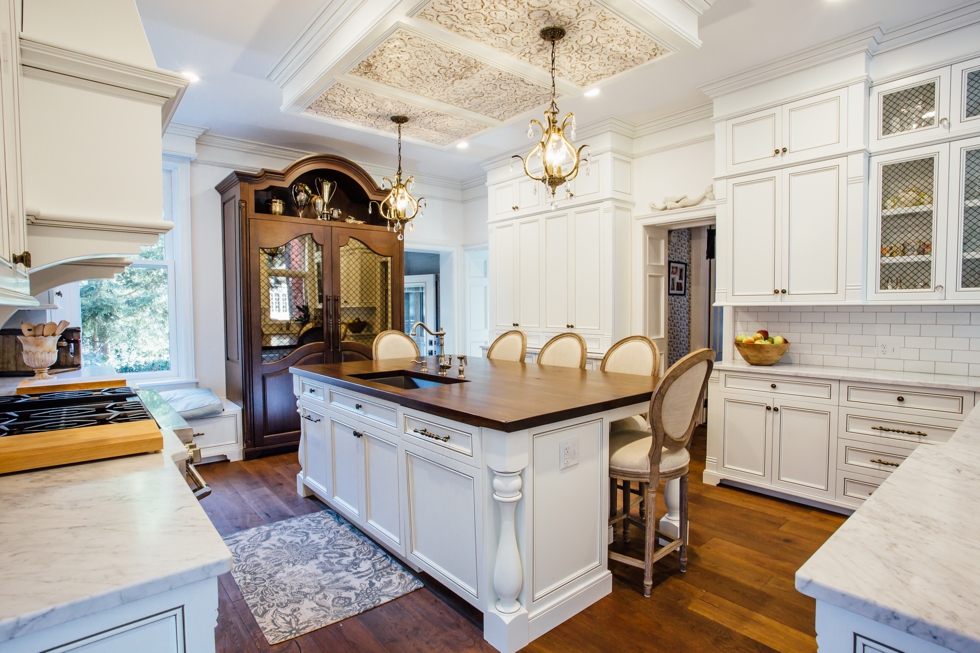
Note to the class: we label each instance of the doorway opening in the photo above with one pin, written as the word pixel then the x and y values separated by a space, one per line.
pixel 429 275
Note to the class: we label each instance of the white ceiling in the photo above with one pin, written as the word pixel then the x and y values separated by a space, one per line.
pixel 234 44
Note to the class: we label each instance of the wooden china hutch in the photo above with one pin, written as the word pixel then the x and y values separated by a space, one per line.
pixel 299 290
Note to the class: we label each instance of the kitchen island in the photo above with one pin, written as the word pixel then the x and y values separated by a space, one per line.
pixel 496 484
pixel 114 555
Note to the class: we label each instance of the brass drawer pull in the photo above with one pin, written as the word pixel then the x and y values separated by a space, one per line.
pixel 901 398
pixel 310 419
pixel 890 430
pixel 429 434
pixel 884 462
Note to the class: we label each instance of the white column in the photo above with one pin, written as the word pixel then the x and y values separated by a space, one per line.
pixel 670 524
pixel 508 574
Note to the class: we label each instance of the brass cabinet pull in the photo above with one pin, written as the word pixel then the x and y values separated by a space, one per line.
pixel 775 291
pixel 772 385
pixel 358 407
pixel 775 409
pixel 357 434
pixel 768 407
pixel 900 398
pixel 776 152
pixel 24 258
pixel 890 430
pixel 310 419
pixel 885 462
pixel 784 150
pixel 783 291
pixel 429 434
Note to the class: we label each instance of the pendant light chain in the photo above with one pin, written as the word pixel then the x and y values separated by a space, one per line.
pixel 554 93
pixel 399 149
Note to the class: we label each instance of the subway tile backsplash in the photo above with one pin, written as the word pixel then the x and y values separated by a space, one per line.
pixel 935 339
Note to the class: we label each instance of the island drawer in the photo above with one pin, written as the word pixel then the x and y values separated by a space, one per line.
pixel 940 403
pixel 816 389
pixel 458 441
pixel 364 408
pixel 888 428
pixel 854 489
pixel 876 460
pixel 309 389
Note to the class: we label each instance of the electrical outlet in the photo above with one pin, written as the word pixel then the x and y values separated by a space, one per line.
pixel 568 453
pixel 888 346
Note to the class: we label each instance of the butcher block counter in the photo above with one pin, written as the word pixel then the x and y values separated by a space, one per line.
pixel 496 483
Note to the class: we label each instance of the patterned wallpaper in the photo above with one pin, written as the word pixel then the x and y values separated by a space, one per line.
pixel 679 306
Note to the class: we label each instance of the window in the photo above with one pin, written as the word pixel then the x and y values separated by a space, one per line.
pixel 130 322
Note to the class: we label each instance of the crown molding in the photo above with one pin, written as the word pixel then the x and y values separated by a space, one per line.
pixel 674 146
pixel 251 147
pixel 944 22
pixel 676 119
pixel 186 129
pixel 161 86
pixel 861 41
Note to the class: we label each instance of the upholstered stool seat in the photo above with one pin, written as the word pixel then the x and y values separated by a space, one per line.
pixel 629 453
pixel 634 423
pixel 510 346
pixel 564 350
pixel 393 344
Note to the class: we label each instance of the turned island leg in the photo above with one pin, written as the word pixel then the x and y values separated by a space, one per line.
pixel 508 573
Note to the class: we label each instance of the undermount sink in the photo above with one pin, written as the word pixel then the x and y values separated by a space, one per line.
pixel 407 379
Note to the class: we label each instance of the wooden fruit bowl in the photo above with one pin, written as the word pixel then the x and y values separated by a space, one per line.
pixel 762 354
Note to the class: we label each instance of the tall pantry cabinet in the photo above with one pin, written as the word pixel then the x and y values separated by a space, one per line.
pixel 299 290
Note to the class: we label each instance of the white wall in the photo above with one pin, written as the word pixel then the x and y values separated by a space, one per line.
pixel 445 223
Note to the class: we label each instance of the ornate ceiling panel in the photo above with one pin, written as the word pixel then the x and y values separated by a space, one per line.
pixel 420 65
pixel 347 103
pixel 599 44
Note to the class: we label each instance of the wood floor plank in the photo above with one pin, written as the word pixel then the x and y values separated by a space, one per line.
pixel 738 594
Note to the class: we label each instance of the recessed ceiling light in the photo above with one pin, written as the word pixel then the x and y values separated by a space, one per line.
pixel 190 76
pixel 593 92
pixel 462 145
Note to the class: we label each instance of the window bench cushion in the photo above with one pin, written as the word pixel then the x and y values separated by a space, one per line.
pixel 194 403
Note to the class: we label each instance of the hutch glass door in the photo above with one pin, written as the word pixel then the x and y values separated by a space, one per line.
pixel 290 297
pixel 365 293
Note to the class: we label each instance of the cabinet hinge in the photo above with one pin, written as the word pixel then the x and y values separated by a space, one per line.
pixel 23 258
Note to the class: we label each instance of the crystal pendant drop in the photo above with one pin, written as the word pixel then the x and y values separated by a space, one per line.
pixel 530 132
pixel 401 237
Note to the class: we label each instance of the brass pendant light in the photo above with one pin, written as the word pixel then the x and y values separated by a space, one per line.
pixel 560 160
pixel 399 208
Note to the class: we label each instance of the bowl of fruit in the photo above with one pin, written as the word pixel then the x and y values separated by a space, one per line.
pixel 761 348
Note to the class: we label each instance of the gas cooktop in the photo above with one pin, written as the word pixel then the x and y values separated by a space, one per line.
pixel 56 411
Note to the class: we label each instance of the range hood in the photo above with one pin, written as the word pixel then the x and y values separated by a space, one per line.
pixel 93 107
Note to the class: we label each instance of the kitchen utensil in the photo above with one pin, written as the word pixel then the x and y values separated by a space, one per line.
pixel 27 329
pixel 61 327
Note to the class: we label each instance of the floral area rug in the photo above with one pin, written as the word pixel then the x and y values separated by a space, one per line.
pixel 311 571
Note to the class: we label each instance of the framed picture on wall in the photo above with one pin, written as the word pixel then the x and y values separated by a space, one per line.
pixel 677 278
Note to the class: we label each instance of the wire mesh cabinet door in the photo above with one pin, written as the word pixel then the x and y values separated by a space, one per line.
pixel 286 321
pixel 365 292
pixel 910 111
pixel 965 91
pixel 963 250
pixel 907 259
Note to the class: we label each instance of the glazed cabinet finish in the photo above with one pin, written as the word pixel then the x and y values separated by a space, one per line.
pixel 293 284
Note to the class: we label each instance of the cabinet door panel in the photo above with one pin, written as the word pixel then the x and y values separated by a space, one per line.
pixel 381 507
pixel 746 434
pixel 528 192
pixel 442 515
pixel 504 260
pixel 345 456
pixel 803 438
pixel 314 425
pixel 556 271
pixel 753 139
pixel 503 198
pixel 965 90
pixel 755 238
pixel 529 273
pixel 963 249
pixel 587 257
pixel 910 110
pixel 813 231
pixel 814 126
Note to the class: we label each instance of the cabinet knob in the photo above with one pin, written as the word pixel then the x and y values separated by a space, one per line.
pixel 775 409
pixel 357 434
pixel 768 407
pixel 514 207
pixel 783 291
pixel 939 288
pixel 772 385
pixel 784 150
pixel 776 152
pixel 944 122
pixel 360 407
pixel 775 291
pixel 901 398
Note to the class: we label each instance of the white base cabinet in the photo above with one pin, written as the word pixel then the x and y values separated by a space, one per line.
pixel 818 439
pixel 493 516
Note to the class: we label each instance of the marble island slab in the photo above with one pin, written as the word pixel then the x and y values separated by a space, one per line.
pixel 82 539
pixel 909 558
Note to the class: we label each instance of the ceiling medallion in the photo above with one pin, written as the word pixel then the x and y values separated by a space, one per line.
pixel 399 208
pixel 560 160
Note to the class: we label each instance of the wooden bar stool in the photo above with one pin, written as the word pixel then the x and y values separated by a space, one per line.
pixel 661 453
pixel 510 346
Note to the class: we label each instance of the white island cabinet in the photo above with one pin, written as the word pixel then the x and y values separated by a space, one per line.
pixel 495 485
pixel 115 556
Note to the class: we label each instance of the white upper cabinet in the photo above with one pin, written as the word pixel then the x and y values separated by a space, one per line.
pixel 788 234
pixel 503 267
pixel 587 254
pixel 557 271
pixel 511 197
pixel 504 199
pixel 965 89
pixel 910 111
pixel 963 248
pixel 516 274
pixel 907 235
pixel 529 273
pixel 806 129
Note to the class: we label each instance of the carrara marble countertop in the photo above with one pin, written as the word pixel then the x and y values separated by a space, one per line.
pixel 939 381
pixel 80 539
pixel 910 556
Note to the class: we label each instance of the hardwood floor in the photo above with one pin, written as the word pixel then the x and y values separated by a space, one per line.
pixel 737 594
